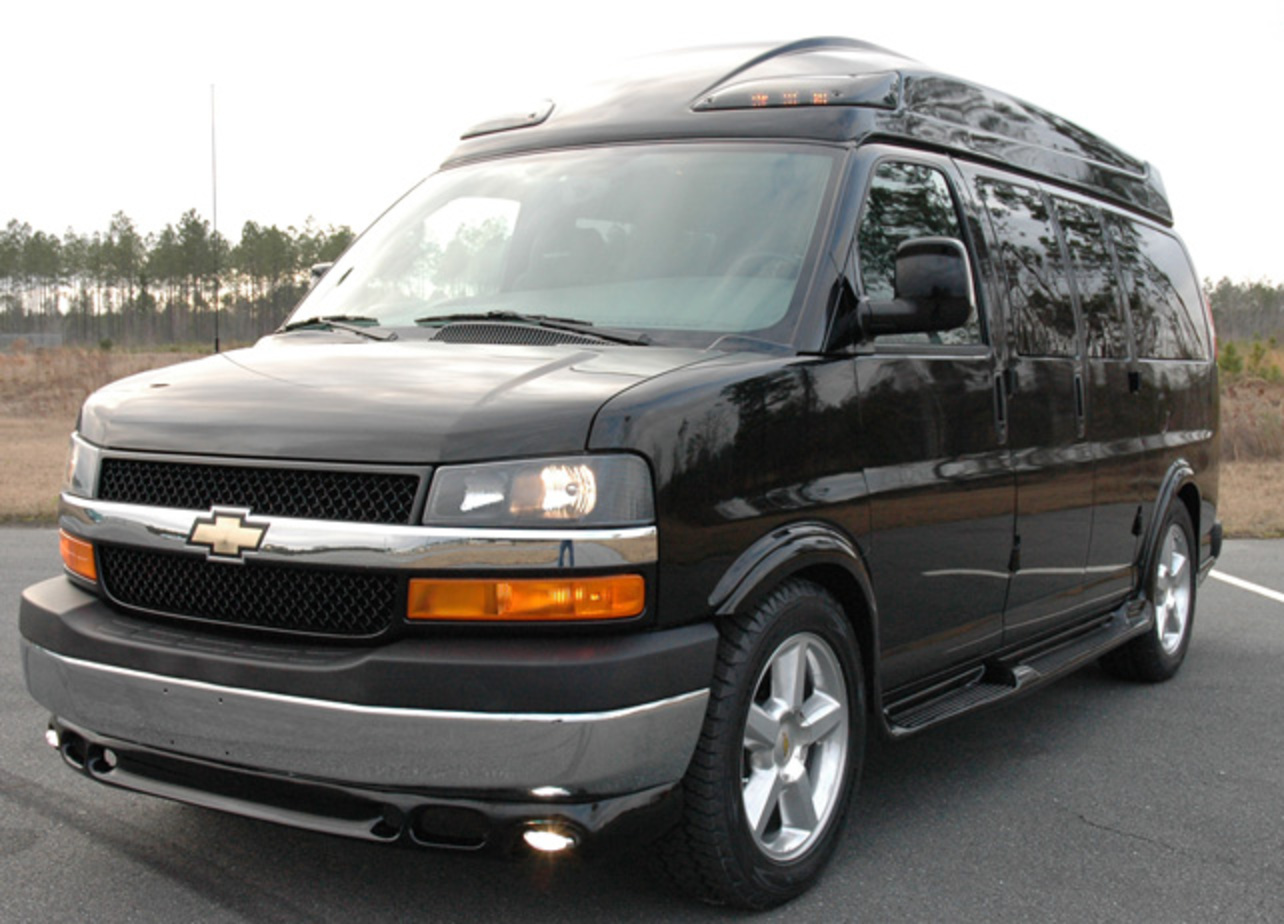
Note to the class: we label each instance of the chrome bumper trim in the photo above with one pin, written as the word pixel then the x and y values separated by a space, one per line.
pixel 368 545
pixel 597 753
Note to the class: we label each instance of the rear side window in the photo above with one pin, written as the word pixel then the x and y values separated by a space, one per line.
pixel 1038 289
pixel 1105 326
pixel 906 201
pixel 1163 295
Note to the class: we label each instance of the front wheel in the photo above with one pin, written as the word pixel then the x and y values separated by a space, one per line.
pixel 1170 589
pixel 779 755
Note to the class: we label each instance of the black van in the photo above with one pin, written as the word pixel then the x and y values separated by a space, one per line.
pixel 631 469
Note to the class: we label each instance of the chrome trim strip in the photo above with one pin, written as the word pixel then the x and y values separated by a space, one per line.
pixel 369 545
pixel 600 753
pixel 358 709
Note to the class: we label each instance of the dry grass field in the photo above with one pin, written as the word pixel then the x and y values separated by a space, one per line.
pixel 41 392
pixel 1252 499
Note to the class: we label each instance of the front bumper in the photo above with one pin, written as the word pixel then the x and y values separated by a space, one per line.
pixel 578 720
pixel 407 818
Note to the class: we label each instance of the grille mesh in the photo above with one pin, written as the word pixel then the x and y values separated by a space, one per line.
pixel 254 594
pixel 346 496
pixel 510 334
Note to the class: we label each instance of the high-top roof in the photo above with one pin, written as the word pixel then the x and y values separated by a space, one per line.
pixel 824 89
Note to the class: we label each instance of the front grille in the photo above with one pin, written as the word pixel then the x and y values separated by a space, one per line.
pixel 252 594
pixel 346 496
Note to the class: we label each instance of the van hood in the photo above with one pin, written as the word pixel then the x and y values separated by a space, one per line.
pixel 415 402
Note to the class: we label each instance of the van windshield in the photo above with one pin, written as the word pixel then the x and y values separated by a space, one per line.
pixel 682 243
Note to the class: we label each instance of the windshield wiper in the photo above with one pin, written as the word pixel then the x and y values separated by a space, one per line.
pixel 338 322
pixel 570 325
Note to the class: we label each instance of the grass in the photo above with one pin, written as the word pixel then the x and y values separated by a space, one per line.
pixel 41 392
pixel 1251 502
pixel 40 395
pixel 31 467
pixel 1251 491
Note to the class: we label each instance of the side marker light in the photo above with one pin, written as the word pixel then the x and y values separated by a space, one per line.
pixel 78 556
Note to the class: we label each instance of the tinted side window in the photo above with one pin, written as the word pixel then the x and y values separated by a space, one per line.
pixel 1105 327
pixel 1038 290
pixel 1163 295
pixel 906 201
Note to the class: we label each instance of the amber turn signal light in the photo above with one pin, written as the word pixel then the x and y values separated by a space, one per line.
pixel 614 597
pixel 78 556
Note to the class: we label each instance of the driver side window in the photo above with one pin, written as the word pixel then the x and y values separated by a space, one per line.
pixel 906 201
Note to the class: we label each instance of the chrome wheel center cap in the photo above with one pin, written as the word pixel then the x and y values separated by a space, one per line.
pixel 788 746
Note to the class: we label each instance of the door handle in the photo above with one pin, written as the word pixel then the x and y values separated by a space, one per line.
pixel 1079 404
pixel 1000 407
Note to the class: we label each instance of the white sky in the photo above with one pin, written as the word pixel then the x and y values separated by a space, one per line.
pixel 334 109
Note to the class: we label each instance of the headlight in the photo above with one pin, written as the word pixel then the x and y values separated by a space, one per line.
pixel 82 468
pixel 567 491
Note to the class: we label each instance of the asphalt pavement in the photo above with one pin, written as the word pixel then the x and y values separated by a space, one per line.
pixel 1091 800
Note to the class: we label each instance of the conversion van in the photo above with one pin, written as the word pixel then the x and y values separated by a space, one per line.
pixel 631 470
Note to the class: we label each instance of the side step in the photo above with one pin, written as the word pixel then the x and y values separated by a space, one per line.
pixel 1019 672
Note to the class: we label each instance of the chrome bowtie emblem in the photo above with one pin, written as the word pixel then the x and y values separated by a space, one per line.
pixel 227 534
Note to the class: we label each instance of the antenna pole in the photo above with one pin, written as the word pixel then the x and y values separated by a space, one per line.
pixel 214 230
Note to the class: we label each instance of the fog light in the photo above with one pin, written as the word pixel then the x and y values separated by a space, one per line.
pixel 52 738
pixel 547 840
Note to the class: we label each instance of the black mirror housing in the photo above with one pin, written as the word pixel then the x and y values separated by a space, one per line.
pixel 933 290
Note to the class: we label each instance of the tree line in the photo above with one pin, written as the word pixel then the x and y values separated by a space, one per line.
pixel 123 286
pixel 1246 310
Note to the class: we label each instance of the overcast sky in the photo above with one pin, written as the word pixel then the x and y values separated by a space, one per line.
pixel 333 110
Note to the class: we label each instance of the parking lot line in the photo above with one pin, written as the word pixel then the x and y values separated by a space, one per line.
pixel 1248 585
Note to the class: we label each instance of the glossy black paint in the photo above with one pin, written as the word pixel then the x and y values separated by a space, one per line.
pixel 980 490
pixel 973 505
pixel 739 446
pixel 328 396
pixel 657 98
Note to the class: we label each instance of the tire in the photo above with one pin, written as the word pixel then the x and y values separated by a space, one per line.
pixel 766 794
pixel 1170 591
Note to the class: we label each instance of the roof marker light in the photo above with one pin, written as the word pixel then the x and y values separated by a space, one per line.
pixel 874 91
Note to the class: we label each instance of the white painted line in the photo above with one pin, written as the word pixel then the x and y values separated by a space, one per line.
pixel 1249 585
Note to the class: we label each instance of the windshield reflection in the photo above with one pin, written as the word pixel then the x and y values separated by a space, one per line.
pixel 681 239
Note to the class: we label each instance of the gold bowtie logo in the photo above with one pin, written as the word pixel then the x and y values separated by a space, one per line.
pixel 227 534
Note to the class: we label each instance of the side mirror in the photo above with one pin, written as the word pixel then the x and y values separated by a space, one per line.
pixel 933 290
pixel 316 272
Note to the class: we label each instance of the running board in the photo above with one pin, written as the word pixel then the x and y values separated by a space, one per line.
pixel 1019 672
